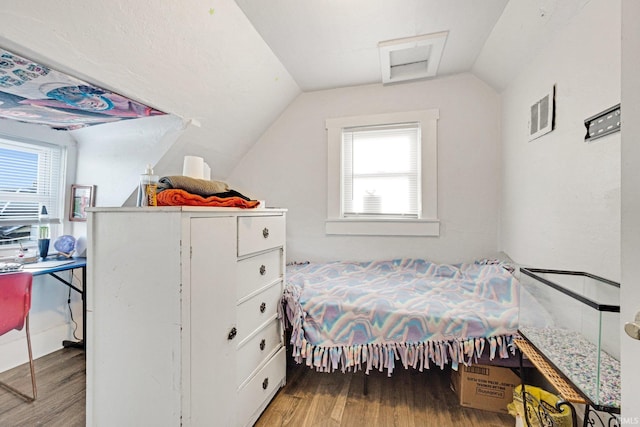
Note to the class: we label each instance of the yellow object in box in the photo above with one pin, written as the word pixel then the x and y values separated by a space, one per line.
pixel 484 387
pixel 560 418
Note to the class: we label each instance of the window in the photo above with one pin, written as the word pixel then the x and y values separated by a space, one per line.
pixel 381 171
pixel 30 177
pixel 383 174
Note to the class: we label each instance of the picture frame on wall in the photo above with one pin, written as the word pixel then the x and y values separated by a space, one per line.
pixel 82 197
pixel 542 115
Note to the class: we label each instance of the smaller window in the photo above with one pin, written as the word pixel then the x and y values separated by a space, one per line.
pixel 381 171
pixel 382 174
pixel 30 177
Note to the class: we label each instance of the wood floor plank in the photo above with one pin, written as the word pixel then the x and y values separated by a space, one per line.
pixel 357 409
pixel 341 401
pixel 323 401
pixel 420 401
pixel 404 396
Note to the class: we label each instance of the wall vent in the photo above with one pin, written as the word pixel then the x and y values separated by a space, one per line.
pixel 411 58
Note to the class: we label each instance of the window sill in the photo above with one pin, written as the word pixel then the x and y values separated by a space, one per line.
pixel 383 227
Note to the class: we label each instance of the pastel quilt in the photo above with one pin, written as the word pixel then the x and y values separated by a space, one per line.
pixel 370 315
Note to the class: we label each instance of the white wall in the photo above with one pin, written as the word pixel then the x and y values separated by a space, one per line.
pixel 287 167
pixel 561 196
pixel 112 156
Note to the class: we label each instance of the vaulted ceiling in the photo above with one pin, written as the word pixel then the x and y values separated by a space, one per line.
pixel 228 69
pixel 328 44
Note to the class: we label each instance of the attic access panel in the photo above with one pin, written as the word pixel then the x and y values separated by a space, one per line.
pixel 411 58
pixel 34 93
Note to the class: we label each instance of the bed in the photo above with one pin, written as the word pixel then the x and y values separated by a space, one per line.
pixel 353 316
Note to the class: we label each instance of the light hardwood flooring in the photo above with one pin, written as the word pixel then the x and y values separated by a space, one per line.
pixel 408 398
pixel 60 378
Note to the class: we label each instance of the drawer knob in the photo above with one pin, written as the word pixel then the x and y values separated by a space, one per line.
pixel 263 344
pixel 265 383
pixel 263 270
pixel 265 232
pixel 232 333
pixel 263 307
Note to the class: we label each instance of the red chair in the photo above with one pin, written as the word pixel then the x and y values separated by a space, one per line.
pixel 15 302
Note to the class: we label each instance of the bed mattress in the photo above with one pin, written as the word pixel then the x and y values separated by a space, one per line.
pixel 370 315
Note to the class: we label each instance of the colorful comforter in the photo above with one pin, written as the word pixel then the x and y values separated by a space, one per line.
pixel 368 315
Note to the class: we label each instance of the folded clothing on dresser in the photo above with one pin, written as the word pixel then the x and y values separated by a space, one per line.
pixel 201 187
pixel 186 191
pixel 184 198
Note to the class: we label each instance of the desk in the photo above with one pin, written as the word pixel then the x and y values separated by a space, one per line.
pixel 53 265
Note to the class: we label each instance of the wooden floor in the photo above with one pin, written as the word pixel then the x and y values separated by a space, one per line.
pixel 60 378
pixel 310 398
pixel 407 398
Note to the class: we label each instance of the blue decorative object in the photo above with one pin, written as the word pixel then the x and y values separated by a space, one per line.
pixel 43 247
pixel 65 244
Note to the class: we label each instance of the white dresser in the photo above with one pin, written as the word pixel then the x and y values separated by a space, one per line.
pixel 182 315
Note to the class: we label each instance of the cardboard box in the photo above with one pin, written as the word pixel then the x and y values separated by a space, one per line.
pixel 484 387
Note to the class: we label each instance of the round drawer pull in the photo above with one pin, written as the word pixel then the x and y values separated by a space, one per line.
pixel 265 232
pixel 263 344
pixel 263 307
pixel 232 333
pixel 265 383
pixel 263 270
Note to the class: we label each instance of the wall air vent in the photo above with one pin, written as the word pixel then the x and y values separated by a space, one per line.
pixel 411 58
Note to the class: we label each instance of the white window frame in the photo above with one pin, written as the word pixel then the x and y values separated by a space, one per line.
pixel 55 216
pixel 428 223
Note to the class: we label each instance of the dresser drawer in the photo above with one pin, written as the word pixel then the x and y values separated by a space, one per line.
pixel 258 271
pixel 255 395
pixel 258 233
pixel 257 349
pixel 257 310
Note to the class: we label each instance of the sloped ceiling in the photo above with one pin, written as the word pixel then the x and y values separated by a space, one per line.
pixel 229 68
pixel 200 60
pixel 329 44
pixel 524 28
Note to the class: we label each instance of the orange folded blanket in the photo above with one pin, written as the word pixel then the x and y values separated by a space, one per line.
pixel 183 198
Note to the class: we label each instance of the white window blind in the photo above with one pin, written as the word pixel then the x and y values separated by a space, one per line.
pixel 30 177
pixel 381 171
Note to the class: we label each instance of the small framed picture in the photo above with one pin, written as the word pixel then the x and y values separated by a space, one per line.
pixel 82 197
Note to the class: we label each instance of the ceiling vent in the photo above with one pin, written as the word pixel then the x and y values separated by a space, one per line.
pixel 411 58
